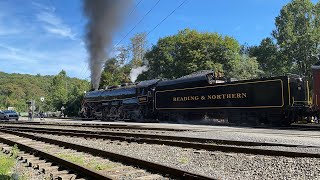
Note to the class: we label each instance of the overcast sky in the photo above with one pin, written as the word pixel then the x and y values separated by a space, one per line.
pixel 46 36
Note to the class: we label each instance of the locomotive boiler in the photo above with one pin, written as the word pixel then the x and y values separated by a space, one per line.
pixel 275 100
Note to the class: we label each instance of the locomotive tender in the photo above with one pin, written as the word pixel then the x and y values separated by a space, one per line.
pixel 276 100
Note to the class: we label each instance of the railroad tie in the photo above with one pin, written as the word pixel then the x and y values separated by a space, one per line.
pixel 137 172
pixel 67 177
pixel 27 158
pixel 49 169
pixel 35 163
pixel 43 165
pixel 56 174
pixel 150 177
pixel 6 149
pixel 117 170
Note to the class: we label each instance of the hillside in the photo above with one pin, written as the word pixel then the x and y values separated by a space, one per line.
pixel 16 89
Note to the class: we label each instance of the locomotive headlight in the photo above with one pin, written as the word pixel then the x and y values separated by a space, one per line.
pixel 299 88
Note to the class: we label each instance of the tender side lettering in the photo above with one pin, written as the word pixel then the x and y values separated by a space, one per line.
pixel 210 97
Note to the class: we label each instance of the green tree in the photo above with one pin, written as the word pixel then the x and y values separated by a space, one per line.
pixel 114 74
pixel 297 34
pixel 244 67
pixel 59 90
pixel 269 58
pixel 190 51
pixel 77 88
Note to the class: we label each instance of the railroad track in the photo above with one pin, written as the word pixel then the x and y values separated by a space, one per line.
pixel 90 125
pixel 185 142
pixel 140 128
pixel 52 151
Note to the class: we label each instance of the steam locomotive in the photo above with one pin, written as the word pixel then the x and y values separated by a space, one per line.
pixel 275 100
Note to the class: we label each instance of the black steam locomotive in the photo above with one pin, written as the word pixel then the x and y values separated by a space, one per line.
pixel 275 100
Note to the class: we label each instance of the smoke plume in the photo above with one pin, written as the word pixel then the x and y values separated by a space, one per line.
pixel 104 17
pixel 134 73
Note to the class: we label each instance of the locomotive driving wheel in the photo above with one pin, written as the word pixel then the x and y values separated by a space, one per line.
pixel 121 113
pixel 105 112
pixel 113 113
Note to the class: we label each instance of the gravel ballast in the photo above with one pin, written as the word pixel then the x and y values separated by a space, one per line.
pixel 211 163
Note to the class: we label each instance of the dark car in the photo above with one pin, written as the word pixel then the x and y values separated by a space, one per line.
pixel 8 114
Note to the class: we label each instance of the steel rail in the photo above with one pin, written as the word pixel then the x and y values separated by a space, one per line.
pixel 141 136
pixel 67 164
pixel 155 167
pixel 195 145
pixel 112 126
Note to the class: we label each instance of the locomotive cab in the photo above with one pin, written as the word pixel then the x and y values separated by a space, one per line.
pixel 299 91
pixel 316 88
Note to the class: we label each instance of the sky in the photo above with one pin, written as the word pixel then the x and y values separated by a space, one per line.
pixel 46 36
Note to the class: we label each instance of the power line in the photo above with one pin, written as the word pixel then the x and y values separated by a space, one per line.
pixel 137 24
pixel 166 17
pixel 135 7
pixel 143 19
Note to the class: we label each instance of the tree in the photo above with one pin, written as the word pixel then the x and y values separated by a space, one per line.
pixel 297 34
pixel 58 92
pixel 123 56
pixel 190 51
pixel 269 58
pixel 114 74
pixel 244 67
pixel 138 48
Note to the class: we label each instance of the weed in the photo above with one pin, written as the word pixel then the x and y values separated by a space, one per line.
pixel 6 165
pixel 75 159
pixel 91 164
pixel 183 160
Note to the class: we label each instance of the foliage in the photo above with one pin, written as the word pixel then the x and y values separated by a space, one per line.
pixel 190 51
pixel 297 34
pixel 7 163
pixel 17 89
pixel 67 92
pixel 244 68
pixel 117 69
pixel 114 74
pixel 293 48
pixel 138 48
pixel 269 58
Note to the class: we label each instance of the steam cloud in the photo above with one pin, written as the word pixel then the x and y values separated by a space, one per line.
pixel 134 73
pixel 104 17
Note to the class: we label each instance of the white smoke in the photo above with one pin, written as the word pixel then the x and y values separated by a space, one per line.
pixel 134 73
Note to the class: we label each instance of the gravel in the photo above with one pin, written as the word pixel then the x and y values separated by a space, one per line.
pixel 22 171
pixel 211 163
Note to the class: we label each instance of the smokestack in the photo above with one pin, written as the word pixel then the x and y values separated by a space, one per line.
pixel 104 17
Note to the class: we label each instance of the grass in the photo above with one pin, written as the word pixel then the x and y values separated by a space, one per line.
pixel 81 161
pixel 7 163
pixel 183 160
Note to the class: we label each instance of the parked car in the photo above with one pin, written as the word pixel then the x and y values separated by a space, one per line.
pixel 8 114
